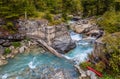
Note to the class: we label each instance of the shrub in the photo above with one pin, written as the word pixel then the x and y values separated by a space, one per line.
pixel 7 50
pixel 9 24
pixel 16 44
pixel 48 16
pixel 83 65
pixel 113 43
pixel 100 66
pixel 110 22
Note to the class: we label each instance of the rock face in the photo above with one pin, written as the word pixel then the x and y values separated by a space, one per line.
pixel 56 36
pixel 83 26
pixel 14 37
pixel 6 40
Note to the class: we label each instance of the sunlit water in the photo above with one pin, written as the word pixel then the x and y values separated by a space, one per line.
pixel 44 66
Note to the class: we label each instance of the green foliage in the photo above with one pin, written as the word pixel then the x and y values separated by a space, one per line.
pixel 12 9
pixel 16 44
pixel 84 65
pixel 113 44
pixel 110 22
pixel 9 26
pixel 97 7
pixel 100 66
pixel 48 16
pixel 106 76
pixel 7 50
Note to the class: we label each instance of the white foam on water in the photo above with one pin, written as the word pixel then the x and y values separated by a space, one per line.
pixel 5 76
pixel 32 64
pixel 75 36
pixel 80 43
pixel 67 57
pixel 82 56
pixel 71 22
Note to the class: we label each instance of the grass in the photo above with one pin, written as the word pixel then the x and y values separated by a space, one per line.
pixel 107 76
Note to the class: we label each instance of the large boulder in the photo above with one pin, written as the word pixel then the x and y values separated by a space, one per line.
pixel 63 43
pixel 83 26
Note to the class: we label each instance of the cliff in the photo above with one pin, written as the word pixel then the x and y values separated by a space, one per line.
pixel 56 36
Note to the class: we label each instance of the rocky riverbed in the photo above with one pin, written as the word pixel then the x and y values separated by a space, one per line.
pixel 56 36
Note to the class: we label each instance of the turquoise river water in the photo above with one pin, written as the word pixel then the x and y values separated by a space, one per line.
pixel 45 65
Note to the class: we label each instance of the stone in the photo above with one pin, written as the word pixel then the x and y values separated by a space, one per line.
pixel 22 49
pixel 15 51
pixel 63 44
pixel 12 47
pixel 79 29
pixel 2 41
pixel 14 37
pixel 6 44
pixel 2 57
pixel 8 56
pixel 83 26
pixel 12 56
pixel 3 62
pixel 91 74
pixel 58 75
pixel 1 49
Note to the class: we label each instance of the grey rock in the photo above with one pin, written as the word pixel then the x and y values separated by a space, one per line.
pixel 83 26
pixel 1 49
pixel 2 41
pixel 22 49
pixel 6 44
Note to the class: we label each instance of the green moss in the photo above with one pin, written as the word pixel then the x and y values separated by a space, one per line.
pixel 16 44
pixel 7 50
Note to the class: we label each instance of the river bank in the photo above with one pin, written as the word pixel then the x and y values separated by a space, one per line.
pixel 34 61
pixel 65 38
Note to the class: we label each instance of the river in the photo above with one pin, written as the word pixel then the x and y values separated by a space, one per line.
pixel 45 65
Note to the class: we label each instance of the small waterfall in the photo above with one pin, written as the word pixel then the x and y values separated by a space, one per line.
pixel 84 47
pixel 75 37
pixel 32 64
